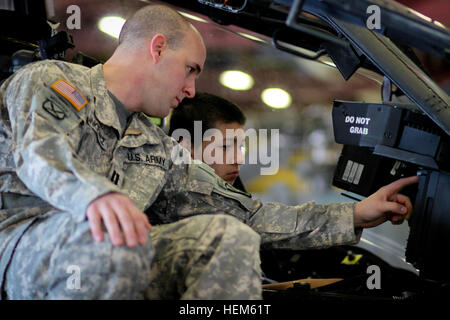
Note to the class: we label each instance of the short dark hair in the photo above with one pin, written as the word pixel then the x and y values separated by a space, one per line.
pixel 205 107
pixel 153 19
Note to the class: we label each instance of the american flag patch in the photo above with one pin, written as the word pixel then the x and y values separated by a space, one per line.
pixel 70 93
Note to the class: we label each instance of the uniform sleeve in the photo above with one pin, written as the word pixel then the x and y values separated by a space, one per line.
pixel 47 131
pixel 305 226
pixel 195 189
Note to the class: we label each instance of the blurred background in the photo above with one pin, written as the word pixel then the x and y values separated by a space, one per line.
pixel 308 154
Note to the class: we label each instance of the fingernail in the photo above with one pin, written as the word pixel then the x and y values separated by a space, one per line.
pixel 403 209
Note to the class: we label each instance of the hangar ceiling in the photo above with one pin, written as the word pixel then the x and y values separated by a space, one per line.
pixel 309 83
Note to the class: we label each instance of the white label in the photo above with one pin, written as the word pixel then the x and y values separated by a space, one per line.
pixel 361 121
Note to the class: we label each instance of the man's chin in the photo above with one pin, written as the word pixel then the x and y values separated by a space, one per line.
pixel 155 115
pixel 163 113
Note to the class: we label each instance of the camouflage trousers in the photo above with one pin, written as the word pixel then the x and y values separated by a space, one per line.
pixel 201 257
pixel 205 257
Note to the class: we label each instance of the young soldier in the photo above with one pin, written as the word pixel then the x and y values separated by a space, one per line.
pixel 212 112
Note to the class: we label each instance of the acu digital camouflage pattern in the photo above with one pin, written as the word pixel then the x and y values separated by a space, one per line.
pixel 56 160
pixel 218 250
pixel 65 158
pixel 196 189
pixel 44 258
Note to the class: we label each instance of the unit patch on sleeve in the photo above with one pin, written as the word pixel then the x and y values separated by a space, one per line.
pixel 53 109
pixel 71 93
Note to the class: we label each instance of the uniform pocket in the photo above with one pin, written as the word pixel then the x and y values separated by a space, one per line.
pixel 140 169
pixel 106 135
pixel 54 114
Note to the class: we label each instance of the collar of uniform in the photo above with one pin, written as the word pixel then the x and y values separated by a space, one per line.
pixel 122 112
pixel 141 125
pixel 105 112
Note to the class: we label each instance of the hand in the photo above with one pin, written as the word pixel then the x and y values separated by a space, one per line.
pixel 385 204
pixel 116 210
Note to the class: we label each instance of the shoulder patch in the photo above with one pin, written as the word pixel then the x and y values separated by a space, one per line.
pixel 71 93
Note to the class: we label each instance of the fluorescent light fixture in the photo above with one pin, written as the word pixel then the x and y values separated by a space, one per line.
pixel 192 17
pixel 111 26
pixel 236 80
pixel 439 24
pixel 329 63
pixel 424 17
pixel 249 36
pixel 276 98
pixel 420 15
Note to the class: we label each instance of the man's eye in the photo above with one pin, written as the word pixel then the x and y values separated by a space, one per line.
pixel 190 69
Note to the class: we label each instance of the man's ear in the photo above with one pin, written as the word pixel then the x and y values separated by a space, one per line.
pixel 157 46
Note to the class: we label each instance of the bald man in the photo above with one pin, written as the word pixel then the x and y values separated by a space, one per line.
pixel 79 164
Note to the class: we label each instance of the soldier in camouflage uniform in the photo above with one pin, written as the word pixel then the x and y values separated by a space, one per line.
pixel 80 161
pixel 67 143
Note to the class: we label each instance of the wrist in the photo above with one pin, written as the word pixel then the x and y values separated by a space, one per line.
pixel 357 223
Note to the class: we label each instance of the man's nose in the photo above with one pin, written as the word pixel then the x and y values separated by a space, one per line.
pixel 189 89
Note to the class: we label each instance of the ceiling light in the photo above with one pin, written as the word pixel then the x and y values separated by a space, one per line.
pixel 329 63
pixel 111 26
pixel 249 36
pixel 422 16
pixel 192 17
pixel 236 80
pixel 276 98
pixel 439 24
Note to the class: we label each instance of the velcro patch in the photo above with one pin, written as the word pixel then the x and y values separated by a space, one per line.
pixel 71 93
pixel 133 132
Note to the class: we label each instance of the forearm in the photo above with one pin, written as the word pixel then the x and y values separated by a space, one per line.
pixel 305 226
pixel 295 227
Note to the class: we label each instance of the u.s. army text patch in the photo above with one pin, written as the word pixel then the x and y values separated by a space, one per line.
pixel 71 93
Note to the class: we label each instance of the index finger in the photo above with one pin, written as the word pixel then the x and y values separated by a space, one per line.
pixel 396 186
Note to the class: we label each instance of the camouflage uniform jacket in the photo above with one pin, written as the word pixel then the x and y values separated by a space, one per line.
pixel 64 155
